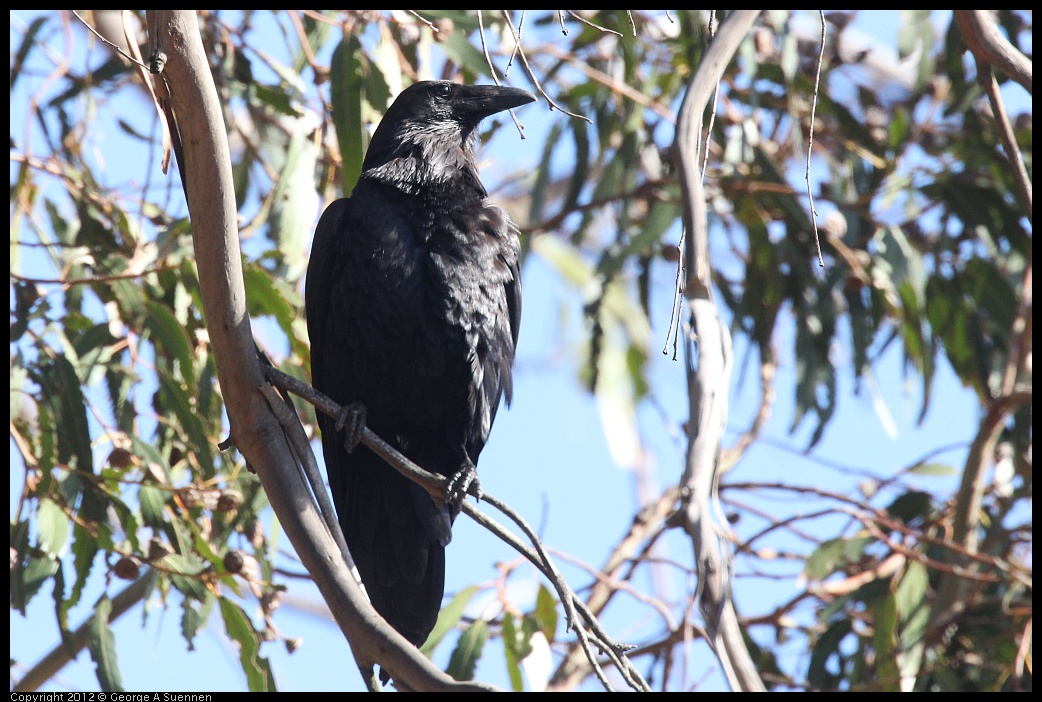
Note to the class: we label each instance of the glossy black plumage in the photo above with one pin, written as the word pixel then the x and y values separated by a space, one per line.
pixel 413 301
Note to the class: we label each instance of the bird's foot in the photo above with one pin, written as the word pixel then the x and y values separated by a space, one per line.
pixel 464 482
pixel 351 417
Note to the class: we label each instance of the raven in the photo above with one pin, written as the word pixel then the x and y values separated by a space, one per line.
pixel 413 301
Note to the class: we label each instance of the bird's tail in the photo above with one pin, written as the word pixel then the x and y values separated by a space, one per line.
pixel 397 537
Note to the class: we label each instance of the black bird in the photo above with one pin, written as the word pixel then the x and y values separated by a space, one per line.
pixel 413 301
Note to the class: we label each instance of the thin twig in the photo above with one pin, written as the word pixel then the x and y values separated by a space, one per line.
pixel 542 561
pixel 430 24
pixel 588 23
pixel 119 50
pixel 986 77
pixel 678 295
pixel 712 110
pixel 517 43
pixel 616 86
pixel 492 72
pixel 305 45
pixel 810 139
pixel 532 76
pixel 89 281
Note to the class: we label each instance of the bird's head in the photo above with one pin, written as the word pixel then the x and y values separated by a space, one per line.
pixel 432 122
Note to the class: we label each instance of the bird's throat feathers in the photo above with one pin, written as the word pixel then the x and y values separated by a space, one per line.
pixel 425 156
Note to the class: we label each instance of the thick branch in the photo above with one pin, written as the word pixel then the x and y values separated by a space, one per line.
pixel 951 591
pixel 984 39
pixel 254 429
pixel 709 374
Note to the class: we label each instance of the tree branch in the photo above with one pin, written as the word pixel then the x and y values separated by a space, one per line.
pixel 253 427
pixel 979 32
pixel 708 375
pixel 65 651
pixel 573 669
pixel 951 590
pixel 984 39
pixel 588 631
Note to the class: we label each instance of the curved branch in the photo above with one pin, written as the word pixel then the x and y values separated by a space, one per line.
pixel 253 427
pixel 708 375
pixel 984 39
pixel 65 651
pixel 436 485
pixel 649 521
pixel 979 32
pixel 952 588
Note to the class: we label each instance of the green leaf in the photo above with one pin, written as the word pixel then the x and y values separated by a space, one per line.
pixel 565 259
pixel 545 613
pixel 36 573
pixel 152 501
pixel 468 651
pixel 884 639
pixel 910 599
pixel 347 85
pixel 169 337
pixel 815 374
pixel 267 295
pixel 53 529
pixel 61 604
pixel 191 621
pixel 833 554
pixel 85 547
pixel 240 629
pixel 150 456
pixel 512 644
pixel 933 469
pixel 764 285
pixel 19 536
pixel 276 98
pixel 827 645
pixel 458 47
pixel 102 645
pixel 911 506
pixel 294 202
pixel 60 388
pixel 28 42
pixel 448 617
pixel 95 348
pixel 823 560
pixel 189 584
pixel 176 398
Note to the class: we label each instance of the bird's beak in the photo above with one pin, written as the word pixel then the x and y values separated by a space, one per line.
pixel 480 101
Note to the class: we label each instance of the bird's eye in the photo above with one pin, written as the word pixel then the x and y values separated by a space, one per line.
pixel 443 89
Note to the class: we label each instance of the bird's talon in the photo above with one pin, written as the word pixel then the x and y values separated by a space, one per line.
pixel 352 417
pixel 464 482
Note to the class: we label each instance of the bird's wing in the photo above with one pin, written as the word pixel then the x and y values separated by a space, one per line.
pixel 513 295
pixel 501 319
pixel 320 282
pixel 395 532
